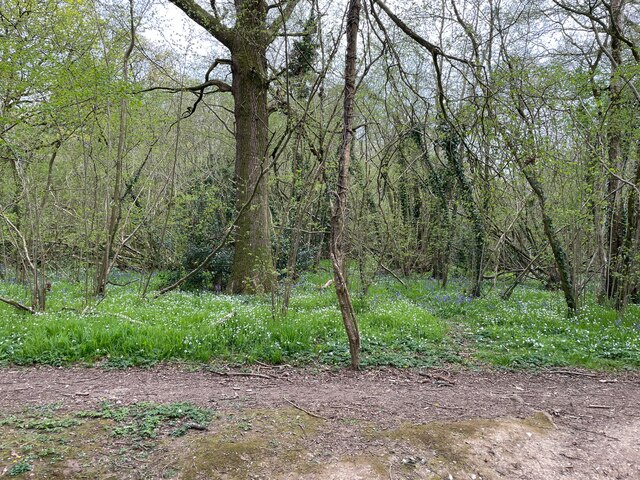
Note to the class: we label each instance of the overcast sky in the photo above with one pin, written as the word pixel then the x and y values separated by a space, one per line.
pixel 168 27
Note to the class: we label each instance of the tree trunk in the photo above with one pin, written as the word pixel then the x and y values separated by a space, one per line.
pixel 614 216
pixel 247 41
pixel 252 270
pixel 339 203
pixel 628 280
pixel 559 255
pixel 115 213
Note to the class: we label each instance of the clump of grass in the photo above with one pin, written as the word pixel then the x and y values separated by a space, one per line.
pixel 19 468
pixel 43 418
pixel 142 421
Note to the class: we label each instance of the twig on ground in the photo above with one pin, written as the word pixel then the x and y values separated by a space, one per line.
pixel 240 374
pixel 265 365
pixel 196 426
pixel 311 414
pixel 594 432
pixel 571 372
pixel 605 407
pixel 279 367
pixel 570 457
pixel 438 378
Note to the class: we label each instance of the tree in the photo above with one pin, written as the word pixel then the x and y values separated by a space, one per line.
pixel 452 145
pixel 247 41
pixel 613 53
pixel 339 202
pixel 115 212
pixel 38 115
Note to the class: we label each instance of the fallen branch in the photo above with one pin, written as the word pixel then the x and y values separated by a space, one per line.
pixel 17 305
pixel 311 414
pixel 240 374
pixel 572 372
pixel 605 407
pixel 390 272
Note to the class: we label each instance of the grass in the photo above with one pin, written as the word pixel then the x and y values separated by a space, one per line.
pixel 414 325
pixel 43 439
pixel 141 421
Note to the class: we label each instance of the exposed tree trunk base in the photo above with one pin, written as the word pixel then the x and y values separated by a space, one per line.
pixel 348 313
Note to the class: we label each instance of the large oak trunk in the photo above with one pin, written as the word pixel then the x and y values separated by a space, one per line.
pixel 252 270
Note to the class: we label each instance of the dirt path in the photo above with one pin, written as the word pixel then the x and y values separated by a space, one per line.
pixel 288 423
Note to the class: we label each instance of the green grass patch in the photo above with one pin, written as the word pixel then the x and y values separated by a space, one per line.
pixel 417 324
pixel 19 468
pixel 142 421
pixel 532 330
pixel 42 419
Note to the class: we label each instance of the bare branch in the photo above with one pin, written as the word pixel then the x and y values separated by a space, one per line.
pixel 222 87
pixel 285 13
pixel 432 48
pixel 211 23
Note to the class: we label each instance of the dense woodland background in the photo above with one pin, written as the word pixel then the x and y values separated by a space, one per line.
pixel 496 141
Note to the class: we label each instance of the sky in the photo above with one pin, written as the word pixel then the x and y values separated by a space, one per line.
pixel 168 27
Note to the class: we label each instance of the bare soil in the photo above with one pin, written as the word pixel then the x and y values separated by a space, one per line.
pixel 286 423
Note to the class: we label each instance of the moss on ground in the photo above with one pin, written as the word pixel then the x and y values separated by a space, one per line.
pixel 247 444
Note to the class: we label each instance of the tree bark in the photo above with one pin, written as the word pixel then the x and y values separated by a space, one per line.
pixel 627 284
pixel 339 203
pixel 614 215
pixel 252 269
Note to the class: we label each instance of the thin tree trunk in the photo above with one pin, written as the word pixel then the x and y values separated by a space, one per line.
pixel 453 149
pixel 115 213
pixel 614 216
pixel 627 283
pixel 339 203
pixel 559 255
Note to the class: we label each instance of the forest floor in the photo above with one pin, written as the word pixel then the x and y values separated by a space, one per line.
pixel 173 422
